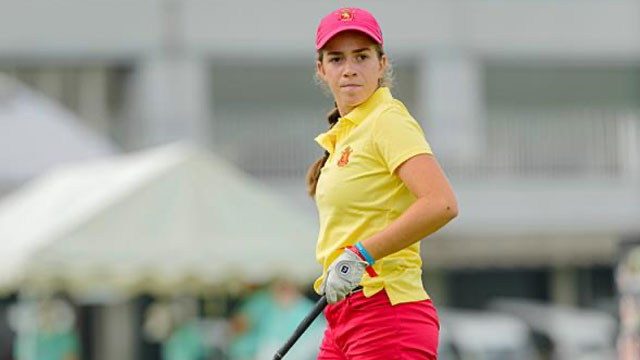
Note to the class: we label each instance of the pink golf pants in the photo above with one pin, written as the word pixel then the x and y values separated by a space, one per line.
pixel 360 328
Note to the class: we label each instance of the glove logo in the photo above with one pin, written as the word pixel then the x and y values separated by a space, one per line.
pixel 344 269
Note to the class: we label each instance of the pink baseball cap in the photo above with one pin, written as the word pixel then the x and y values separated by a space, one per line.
pixel 347 18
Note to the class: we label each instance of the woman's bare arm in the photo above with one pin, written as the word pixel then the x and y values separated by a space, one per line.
pixel 434 207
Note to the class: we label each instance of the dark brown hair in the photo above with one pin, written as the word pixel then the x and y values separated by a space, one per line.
pixel 313 174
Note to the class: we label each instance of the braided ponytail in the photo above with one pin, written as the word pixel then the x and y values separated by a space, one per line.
pixel 313 174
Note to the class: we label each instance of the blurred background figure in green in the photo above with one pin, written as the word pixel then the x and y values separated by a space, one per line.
pixel 267 318
pixel 175 324
pixel 45 330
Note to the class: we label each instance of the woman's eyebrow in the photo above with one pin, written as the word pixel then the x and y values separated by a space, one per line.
pixel 360 50
pixel 335 53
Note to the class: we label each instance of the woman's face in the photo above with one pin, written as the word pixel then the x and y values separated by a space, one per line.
pixel 352 69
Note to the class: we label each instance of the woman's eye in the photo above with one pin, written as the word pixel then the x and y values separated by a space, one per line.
pixel 362 57
pixel 334 60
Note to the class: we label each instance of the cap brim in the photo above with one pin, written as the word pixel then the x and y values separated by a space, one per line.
pixel 325 39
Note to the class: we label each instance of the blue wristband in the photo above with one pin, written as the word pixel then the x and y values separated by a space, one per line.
pixel 365 253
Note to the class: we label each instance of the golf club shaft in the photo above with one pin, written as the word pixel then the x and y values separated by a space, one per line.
pixel 317 309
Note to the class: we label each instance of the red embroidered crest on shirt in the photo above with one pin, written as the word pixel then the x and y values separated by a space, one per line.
pixel 344 159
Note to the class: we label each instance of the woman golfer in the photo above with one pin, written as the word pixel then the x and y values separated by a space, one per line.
pixel 379 191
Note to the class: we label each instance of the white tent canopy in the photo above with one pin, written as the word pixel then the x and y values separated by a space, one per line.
pixel 36 134
pixel 165 220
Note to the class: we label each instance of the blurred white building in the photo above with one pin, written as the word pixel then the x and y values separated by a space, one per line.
pixel 533 109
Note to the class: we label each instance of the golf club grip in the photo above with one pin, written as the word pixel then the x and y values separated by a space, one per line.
pixel 317 309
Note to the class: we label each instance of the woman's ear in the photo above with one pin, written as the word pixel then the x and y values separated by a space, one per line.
pixel 383 65
pixel 320 70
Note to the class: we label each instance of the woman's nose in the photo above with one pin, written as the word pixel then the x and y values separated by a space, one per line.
pixel 349 69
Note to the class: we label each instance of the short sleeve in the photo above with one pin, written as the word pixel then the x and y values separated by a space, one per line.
pixel 398 137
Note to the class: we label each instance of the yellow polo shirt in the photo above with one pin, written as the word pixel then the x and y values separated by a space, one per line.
pixel 359 194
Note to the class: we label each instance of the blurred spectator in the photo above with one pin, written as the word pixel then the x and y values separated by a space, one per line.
pixel 268 318
pixel 45 330
pixel 176 325
pixel 6 334
pixel 628 281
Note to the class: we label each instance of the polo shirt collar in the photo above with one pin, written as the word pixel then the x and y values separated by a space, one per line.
pixel 357 115
pixel 328 139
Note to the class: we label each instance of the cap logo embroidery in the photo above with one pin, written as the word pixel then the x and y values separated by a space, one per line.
pixel 344 158
pixel 346 15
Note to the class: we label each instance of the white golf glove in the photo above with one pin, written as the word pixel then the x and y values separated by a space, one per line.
pixel 343 275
